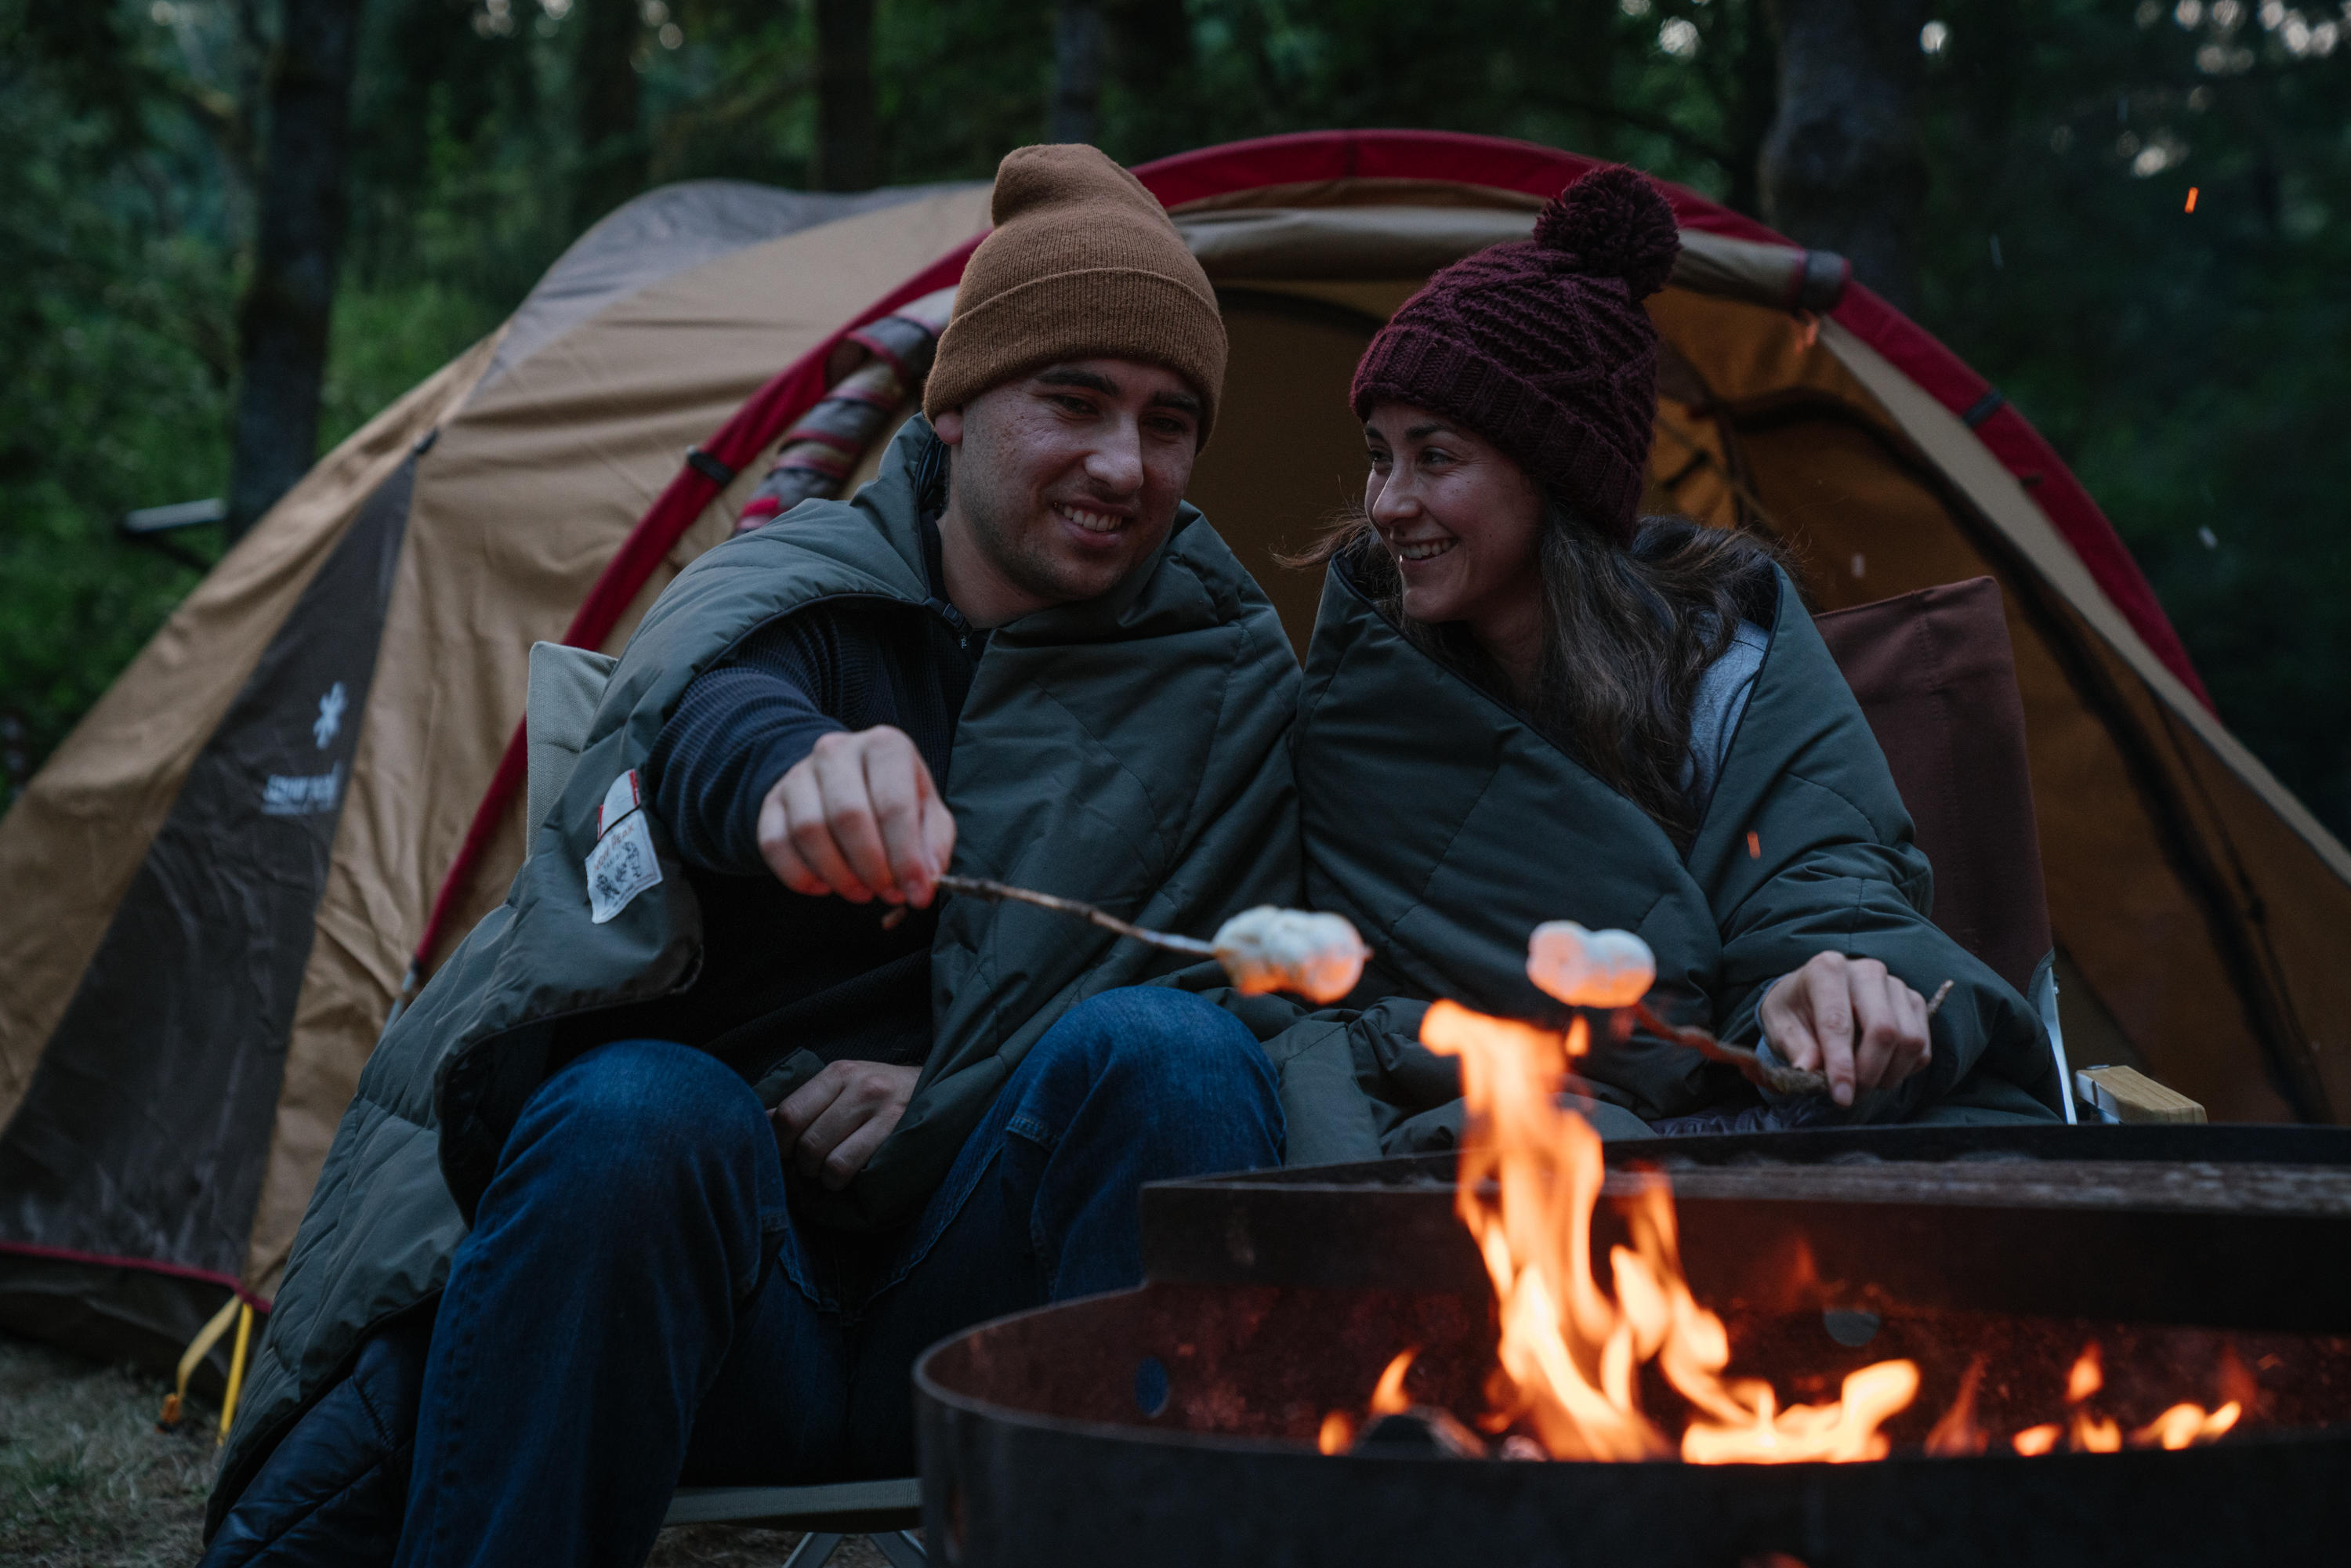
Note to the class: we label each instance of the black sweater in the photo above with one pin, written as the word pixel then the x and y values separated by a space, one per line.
pixel 782 971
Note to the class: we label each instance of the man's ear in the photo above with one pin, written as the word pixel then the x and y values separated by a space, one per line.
pixel 950 426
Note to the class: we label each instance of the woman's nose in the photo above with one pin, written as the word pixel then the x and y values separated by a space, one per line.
pixel 1390 498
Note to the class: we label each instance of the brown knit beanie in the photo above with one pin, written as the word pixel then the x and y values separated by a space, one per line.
pixel 1543 348
pixel 1083 264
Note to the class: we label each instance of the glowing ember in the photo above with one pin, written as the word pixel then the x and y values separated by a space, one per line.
pixel 1320 956
pixel 2035 1441
pixel 1388 1399
pixel 2183 1426
pixel 1567 1380
pixel 2086 1378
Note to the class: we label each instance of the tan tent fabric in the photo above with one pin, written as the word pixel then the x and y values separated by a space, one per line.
pixel 81 828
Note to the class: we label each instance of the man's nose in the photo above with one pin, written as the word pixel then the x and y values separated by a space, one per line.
pixel 1116 462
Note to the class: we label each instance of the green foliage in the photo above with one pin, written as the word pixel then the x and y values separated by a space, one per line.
pixel 2190 367
pixel 114 324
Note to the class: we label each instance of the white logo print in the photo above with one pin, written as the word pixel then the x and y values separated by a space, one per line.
pixel 330 715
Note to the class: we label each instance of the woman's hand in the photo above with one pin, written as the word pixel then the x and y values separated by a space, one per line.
pixel 830 1126
pixel 1849 1020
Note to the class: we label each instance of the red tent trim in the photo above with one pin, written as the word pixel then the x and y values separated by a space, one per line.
pixel 228 1282
pixel 1301 158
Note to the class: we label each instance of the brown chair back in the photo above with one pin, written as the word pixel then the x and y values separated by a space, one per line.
pixel 1938 682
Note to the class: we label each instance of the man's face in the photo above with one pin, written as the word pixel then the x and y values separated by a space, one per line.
pixel 1062 482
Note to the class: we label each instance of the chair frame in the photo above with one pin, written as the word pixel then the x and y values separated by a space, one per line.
pixel 886 1511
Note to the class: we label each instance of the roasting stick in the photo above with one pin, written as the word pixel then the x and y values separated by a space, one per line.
pixel 1318 957
pixel 1753 1068
pixel 1002 892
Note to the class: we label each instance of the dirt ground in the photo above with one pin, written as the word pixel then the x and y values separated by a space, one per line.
pixel 86 1482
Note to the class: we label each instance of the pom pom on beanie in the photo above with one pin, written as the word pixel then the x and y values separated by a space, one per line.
pixel 1613 223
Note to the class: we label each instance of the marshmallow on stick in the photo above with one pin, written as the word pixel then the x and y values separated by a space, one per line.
pixel 1268 949
pixel 1262 949
pixel 1590 968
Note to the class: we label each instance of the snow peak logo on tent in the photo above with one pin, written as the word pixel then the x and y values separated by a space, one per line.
pixel 623 865
pixel 330 715
pixel 300 794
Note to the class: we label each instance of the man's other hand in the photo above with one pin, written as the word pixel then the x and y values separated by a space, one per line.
pixel 830 1126
pixel 1849 1020
pixel 859 816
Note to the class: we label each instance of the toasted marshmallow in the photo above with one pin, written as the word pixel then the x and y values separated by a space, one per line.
pixel 1319 956
pixel 1590 968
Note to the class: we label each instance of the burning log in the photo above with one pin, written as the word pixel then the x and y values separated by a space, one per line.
pixel 1319 956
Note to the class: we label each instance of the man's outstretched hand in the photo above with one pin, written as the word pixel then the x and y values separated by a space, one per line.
pixel 1849 1020
pixel 859 816
pixel 830 1126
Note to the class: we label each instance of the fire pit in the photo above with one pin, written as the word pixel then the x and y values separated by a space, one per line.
pixel 2057 1288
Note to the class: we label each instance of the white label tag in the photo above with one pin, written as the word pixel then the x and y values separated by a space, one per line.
pixel 621 866
pixel 620 799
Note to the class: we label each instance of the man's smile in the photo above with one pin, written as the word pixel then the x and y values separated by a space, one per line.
pixel 1092 521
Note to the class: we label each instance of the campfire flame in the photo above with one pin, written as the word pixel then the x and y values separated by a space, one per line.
pixel 1572 1351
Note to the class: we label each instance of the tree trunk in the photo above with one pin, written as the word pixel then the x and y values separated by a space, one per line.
pixel 1077 71
pixel 612 141
pixel 848 156
pixel 1147 52
pixel 283 321
pixel 1842 169
pixel 1753 104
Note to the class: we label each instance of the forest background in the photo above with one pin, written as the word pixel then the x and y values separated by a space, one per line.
pixel 2024 193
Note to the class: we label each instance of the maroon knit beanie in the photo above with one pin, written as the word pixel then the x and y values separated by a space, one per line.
pixel 1543 348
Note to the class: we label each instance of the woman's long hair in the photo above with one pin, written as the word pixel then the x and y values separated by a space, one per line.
pixel 1627 632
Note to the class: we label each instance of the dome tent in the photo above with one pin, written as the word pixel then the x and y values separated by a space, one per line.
pixel 311 780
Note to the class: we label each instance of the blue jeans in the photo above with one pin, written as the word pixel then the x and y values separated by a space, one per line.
pixel 636 1307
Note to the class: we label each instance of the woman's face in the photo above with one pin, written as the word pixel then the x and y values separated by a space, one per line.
pixel 1461 522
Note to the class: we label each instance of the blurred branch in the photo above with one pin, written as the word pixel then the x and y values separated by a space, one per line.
pixel 1655 124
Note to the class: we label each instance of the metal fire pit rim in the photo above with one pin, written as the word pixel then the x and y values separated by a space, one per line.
pixel 2224 1144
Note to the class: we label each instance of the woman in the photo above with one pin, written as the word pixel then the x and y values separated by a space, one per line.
pixel 1524 704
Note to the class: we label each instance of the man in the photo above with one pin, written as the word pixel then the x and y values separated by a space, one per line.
pixel 554 1238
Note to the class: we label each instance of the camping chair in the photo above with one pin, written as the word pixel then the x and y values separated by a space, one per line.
pixel 883 1511
pixel 1937 681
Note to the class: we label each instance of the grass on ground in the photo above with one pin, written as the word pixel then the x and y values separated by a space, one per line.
pixel 86 1482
